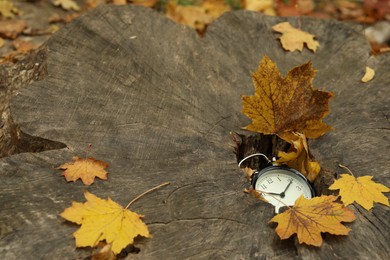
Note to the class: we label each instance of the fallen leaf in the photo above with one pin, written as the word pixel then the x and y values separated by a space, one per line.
pixel 361 190
pixel 67 4
pixel 2 42
pixel 11 28
pixel 255 194
pixel 309 218
pixel 248 172
pixel 22 46
pixel 293 39
pixel 146 3
pixel 299 157
pixel 294 7
pixel 369 75
pixel 264 6
pixel 85 169
pixel 105 253
pixel 197 17
pixel 7 9
pixel 104 220
pixel 288 104
pixel 119 2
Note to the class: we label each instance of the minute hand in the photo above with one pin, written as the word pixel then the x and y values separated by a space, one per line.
pixel 283 194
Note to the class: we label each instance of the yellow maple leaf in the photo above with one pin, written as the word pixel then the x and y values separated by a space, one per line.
pixel 287 104
pixel 309 218
pixel 67 4
pixel 299 157
pixel 104 220
pixel 293 39
pixel 369 75
pixel 361 190
pixel 85 169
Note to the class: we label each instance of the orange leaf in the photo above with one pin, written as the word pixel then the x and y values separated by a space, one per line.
pixel 104 220
pixel 84 168
pixel 293 39
pixel 286 104
pixel 361 190
pixel 308 218
pixel 299 157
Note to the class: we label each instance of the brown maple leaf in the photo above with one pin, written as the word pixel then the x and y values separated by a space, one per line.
pixel 309 218
pixel 287 104
pixel 85 169
pixel 298 157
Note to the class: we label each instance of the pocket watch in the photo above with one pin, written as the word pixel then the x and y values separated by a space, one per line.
pixel 280 185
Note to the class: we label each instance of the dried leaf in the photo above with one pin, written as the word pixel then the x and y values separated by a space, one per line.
pixel 67 4
pixel 104 220
pixel 119 2
pixel 294 7
pixel 309 218
pixel 2 42
pixel 24 46
pixel 361 190
pixel 255 194
pixel 197 17
pixel 299 157
pixel 369 75
pixel 287 104
pixel 264 6
pixel 293 39
pixel 7 9
pixel 11 28
pixel 248 172
pixel 85 169
pixel 146 3
pixel 105 253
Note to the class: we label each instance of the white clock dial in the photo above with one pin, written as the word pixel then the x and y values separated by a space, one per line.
pixel 283 187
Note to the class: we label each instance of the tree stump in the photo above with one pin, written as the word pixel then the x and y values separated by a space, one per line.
pixel 157 102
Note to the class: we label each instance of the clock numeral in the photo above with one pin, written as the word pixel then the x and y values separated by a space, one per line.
pixel 279 179
pixel 299 188
pixel 290 179
pixel 263 186
pixel 269 180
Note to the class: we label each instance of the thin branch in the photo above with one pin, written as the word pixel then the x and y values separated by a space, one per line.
pixel 345 167
pixel 145 192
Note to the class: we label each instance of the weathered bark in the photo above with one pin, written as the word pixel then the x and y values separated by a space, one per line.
pixel 157 102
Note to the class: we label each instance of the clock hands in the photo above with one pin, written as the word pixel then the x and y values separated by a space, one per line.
pixel 283 194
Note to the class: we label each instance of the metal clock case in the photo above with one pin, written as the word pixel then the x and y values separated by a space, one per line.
pixel 281 185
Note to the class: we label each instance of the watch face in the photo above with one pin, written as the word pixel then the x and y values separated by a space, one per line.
pixel 283 185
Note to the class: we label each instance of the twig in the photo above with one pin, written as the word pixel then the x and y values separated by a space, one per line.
pixel 145 192
pixel 345 167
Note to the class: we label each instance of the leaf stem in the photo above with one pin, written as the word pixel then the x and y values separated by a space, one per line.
pixel 145 192
pixel 345 167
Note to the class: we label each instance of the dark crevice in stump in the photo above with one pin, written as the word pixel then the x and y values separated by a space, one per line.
pixel 14 76
pixel 33 144
pixel 270 145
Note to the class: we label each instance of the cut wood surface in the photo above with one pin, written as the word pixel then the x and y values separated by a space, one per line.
pixel 157 102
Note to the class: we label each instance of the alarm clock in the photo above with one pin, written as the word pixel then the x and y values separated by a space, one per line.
pixel 280 185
